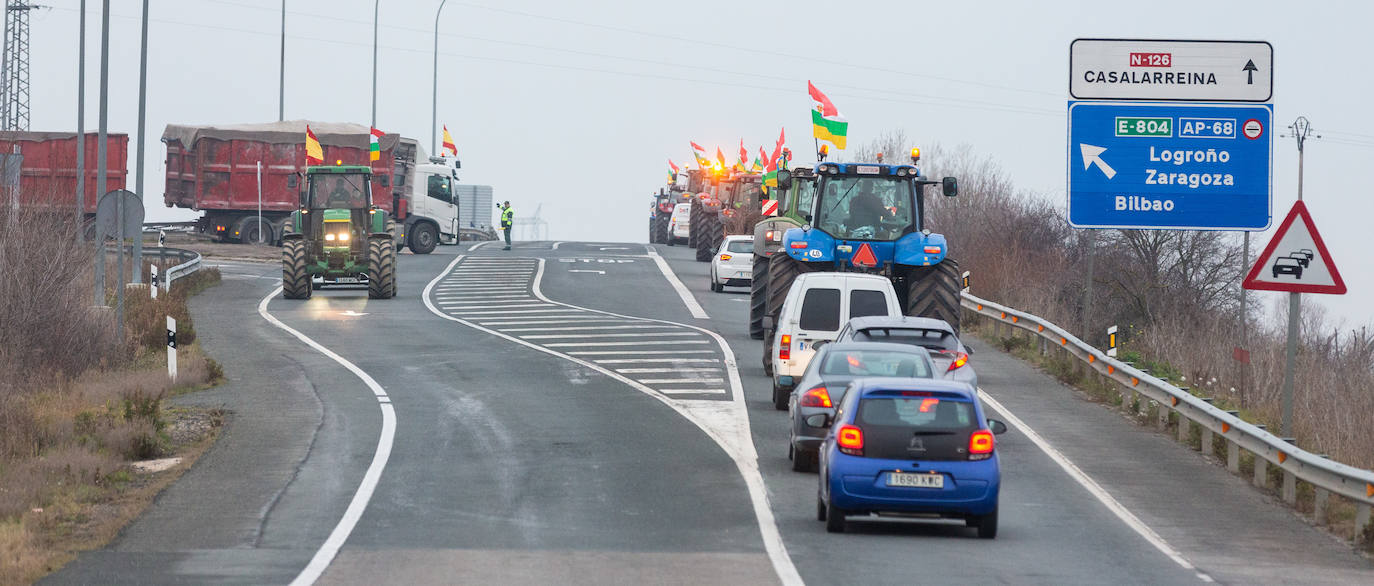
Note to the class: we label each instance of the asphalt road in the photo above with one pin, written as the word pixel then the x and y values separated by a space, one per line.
pixel 561 416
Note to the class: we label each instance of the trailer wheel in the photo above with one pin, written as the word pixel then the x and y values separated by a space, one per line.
pixel 381 268
pixel 423 238
pixel 934 292
pixel 758 297
pixel 249 234
pixel 295 281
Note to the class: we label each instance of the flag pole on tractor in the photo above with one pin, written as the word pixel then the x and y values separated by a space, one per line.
pixel 448 146
pixel 374 146
pixel 314 155
pixel 826 121
pixel 699 152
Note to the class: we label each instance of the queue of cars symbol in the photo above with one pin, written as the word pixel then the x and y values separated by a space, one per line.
pixel 733 263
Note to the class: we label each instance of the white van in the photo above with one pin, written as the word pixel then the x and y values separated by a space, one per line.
pixel 678 224
pixel 817 306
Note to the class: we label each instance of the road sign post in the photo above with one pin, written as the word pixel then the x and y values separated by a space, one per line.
pixel 1169 166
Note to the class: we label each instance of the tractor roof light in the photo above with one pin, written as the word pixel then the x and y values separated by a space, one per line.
pixel 338 162
pixel 915 154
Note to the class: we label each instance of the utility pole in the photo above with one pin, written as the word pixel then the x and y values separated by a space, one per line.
pixel 1090 236
pixel 142 132
pixel 376 11
pixel 81 128
pixel 281 70
pixel 1301 129
pixel 14 87
pixel 434 121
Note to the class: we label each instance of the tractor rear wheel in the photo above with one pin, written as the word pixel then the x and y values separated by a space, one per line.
pixel 706 245
pixel 782 270
pixel 758 297
pixel 394 231
pixel 381 268
pixel 934 292
pixel 693 225
pixel 295 281
pixel 660 229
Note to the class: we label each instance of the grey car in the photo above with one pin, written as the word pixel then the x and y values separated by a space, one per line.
pixel 950 355
pixel 830 371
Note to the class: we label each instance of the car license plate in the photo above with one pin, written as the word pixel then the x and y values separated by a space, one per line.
pixel 916 480
pixel 353 280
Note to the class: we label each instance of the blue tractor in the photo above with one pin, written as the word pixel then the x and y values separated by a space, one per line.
pixel 870 218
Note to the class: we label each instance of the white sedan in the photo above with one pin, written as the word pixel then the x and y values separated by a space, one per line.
pixel 733 264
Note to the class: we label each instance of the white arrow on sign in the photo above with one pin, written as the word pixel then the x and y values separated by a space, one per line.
pixel 1093 154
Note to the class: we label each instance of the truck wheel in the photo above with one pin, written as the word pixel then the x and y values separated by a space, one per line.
pixel 295 281
pixel 934 292
pixel 758 297
pixel 249 233
pixel 423 238
pixel 381 268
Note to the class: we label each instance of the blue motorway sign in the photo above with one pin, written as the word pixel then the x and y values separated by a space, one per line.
pixel 1170 166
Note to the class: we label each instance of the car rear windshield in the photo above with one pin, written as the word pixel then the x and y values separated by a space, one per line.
pixel 875 363
pixel 864 302
pixel 916 428
pixel 932 339
pixel 821 310
pixel 739 246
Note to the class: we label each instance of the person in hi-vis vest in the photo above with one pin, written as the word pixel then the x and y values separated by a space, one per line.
pixel 507 216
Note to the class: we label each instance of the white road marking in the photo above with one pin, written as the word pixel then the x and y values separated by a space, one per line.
pixel 586 271
pixel 644 360
pixel 487 302
pixel 729 429
pixel 687 298
pixel 330 548
pixel 637 335
pixel 556 245
pixel 639 352
pixel 586 328
pixel 692 391
pixel 644 343
pixel 481 244
pixel 513 312
pixel 1094 488
pixel 571 319
pixel 682 370
pixel 679 381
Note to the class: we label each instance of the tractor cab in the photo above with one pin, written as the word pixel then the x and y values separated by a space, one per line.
pixel 338 208
pixel 867 217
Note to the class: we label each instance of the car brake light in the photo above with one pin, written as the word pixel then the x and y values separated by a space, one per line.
pixel 817 397
pixel 850 440
pixel 932 250
pixel 980 445
pixel 960 359
pixel 798 245
pixel 725 257
pixel 785 348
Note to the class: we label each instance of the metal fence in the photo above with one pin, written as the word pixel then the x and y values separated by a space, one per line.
pixel 1140 390
pixel 190 262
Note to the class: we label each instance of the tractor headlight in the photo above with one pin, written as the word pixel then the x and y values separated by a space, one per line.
pixel 328 236
pixel 343 236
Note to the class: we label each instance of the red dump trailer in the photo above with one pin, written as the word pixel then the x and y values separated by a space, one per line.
pixel 48 171
pixel 214 169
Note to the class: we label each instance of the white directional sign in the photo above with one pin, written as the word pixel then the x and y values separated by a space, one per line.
pixel 1138 69
pixel 1296 260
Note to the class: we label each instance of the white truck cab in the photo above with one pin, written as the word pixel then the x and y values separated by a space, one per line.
pixel 817 306
pixel 432 205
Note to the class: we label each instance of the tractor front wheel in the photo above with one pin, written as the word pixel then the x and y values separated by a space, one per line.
pixel 295 281
pixel 758 296
pixel 381 268
pixel 934 292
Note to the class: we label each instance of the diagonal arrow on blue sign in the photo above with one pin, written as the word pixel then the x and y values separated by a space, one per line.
pixel 1174 166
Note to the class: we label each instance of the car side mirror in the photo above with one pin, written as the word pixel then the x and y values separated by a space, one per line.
pixel 818 420
pixel 817 345
pixel 950 186
pixel 784 179
pixel 997 427
pixel 807 217
pixel 968 350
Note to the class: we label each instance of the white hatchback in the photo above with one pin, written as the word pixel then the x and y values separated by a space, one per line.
pixel 678 225
pixel 817 306
pixel 733 264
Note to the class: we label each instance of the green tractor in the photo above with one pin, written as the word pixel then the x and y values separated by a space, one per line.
pixel 338 236
pixel 794 204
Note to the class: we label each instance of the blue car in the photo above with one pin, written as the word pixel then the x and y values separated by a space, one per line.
pixel 909 448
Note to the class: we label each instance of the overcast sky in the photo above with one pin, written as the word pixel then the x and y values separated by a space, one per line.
pixel 572 108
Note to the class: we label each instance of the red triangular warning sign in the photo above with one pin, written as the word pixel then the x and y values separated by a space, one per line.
pixel 1296 260
pixel 864 257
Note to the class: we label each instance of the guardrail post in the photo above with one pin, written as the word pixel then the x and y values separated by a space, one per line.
pixel 1207 441
pixel 1233 456
pixel 1162 417
pixel 1261 472
pixel 1319 505
pixel 1290 488
pixel 1362 520
pixel 1184 429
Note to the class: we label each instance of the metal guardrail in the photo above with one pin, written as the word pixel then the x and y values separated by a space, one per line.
pixel 1325 475
pixel 191 261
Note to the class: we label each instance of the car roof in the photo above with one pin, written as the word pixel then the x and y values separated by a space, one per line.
pixel 896 321
pixel 821 276
pixel 1288 258
pixel 740 237
pixel 864 385
pixel 888 346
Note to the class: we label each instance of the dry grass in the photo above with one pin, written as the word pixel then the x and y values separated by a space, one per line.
pixel 78 405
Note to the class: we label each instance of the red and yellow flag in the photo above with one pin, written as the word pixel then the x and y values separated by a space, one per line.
pixel 447 146
pixel 314 154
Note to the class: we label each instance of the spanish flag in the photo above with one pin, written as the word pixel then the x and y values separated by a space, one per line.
pixel 826 122
pixel 448 146
pixel 314 154
pixel 374 147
